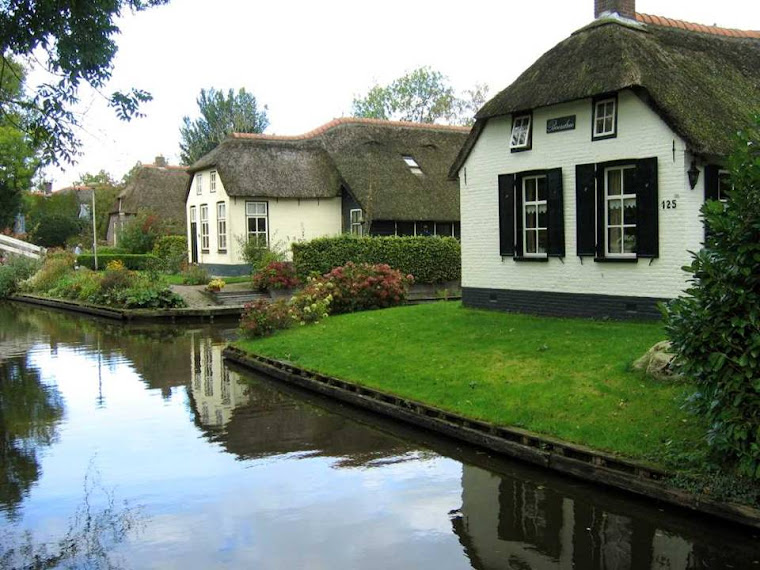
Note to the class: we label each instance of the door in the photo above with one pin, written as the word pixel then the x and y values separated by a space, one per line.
pixel 193 242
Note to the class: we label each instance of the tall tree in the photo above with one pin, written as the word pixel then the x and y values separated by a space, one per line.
pixel 423 95
pixel 75 42
pixel 106 191
pixel 220 115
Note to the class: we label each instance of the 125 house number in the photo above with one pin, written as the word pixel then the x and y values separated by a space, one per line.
pixel 669 204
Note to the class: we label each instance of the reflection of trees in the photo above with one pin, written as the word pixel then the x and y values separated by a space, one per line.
pixel 531 521
pixel 29 414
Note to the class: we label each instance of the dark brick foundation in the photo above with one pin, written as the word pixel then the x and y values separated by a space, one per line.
pixel 563 304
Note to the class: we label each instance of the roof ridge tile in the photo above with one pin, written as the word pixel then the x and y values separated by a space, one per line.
pixel 695 27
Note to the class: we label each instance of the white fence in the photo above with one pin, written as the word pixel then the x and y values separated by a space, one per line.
pixel 18 247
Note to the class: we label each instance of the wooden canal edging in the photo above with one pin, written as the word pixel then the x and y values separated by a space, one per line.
pixel 205 314
pixel 567 458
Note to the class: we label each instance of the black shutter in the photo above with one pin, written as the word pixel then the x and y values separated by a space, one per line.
pixel 647 239
pixel 585 209
pixel 711 181
pixel 519 247
pixel 601 230
pixel 507 214
pixel 556 213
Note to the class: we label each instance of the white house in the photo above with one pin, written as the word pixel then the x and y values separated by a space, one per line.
pixel 349 175
pixel 581 182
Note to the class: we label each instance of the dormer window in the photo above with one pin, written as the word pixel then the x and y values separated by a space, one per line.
pixel 212 181
pixel 199 184
pixel 521 136
pixel 605 118
pixel 412 164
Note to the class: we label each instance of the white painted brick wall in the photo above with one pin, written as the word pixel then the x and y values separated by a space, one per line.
pixel 641 134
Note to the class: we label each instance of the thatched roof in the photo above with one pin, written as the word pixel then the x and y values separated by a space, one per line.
pixel 704 82
pixel 158 189
pixel 365 156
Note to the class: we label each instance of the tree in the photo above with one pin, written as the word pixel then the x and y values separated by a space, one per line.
pixel 715 328
pixel 106 191
pixel 422 96
pixel 220 116
pixel 75 41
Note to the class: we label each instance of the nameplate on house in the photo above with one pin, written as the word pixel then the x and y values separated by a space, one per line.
pixel 560 124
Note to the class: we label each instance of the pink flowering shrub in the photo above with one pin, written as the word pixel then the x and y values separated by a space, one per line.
pixel 262 318
pixel 363 286
pixel 276 275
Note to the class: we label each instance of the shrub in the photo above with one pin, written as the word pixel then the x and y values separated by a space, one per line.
pixel 53 229
pixel 56 266
pixel 360 287
pixel 15 270
pixel 140 233
pixel 195 275
pixel 148 294
pixel 135 262
pixel 276 275
pixel 261 318
pixel 171 252
pixel 259 254
pixel 429 259
pixel 312 304
pixel 715 328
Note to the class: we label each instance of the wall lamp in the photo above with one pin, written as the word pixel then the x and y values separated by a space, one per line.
pixel 693 174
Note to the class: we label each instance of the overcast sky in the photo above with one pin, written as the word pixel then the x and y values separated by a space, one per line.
pixel 306 60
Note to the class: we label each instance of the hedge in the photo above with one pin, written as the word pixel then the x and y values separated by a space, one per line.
pixel 429 259
pixel 135 261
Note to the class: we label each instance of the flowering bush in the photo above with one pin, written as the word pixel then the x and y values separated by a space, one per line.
pixel 276 275
pixel 215 285
pixel 312 304
pixel 261 318
pixel 360 287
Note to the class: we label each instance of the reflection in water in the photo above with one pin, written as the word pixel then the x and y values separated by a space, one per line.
pixel 29 414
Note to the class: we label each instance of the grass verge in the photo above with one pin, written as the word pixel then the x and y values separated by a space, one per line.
pixel 569 378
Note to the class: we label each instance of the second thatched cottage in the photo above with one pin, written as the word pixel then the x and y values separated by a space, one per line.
pixel 581 182
pixel 359 176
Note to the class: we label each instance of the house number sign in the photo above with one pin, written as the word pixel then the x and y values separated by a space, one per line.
pixel 560 124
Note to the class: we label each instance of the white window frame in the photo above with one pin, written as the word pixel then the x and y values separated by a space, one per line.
pixel 199 183
pixel 257 210
pixel 536 204
pixel 212 181
pixel 605 109
pixel 621 198
pixel 412 164
pixel 221 226
pixel 356 219
pixel 204 229
pixel 193 216
pixel 520 138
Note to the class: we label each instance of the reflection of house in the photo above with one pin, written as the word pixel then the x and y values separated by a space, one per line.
pixel 216 390
pixel 349 176
pixel 581 182
pixel 507 522
pixel 156 188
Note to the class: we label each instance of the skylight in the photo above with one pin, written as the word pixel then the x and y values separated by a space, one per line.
pixel 412 164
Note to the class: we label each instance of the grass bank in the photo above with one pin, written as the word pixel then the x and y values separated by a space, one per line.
pixel 568 378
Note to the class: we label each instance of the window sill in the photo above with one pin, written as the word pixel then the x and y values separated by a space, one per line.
pixel 224 251
pixel 616 260
pixel 540 259
pixel 204 251
pixel 520 148
pixel 603 137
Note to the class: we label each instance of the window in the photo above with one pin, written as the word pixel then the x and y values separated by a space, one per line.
pixel 521 135
pixel 617 216
pixel 204 228
pixel 531 216
pixel 212 181
pixel 221 226
pixel 192 214
pixel 412 164
pixel 199 183
pixel 256 222
pixel 620 211
pixel 356 222
pixel 605 118
pixel 534 215
pixel 724 185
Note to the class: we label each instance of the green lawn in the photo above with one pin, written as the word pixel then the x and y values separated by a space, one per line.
pixel 570 378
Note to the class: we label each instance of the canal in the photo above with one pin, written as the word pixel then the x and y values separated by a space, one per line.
pixel 139 448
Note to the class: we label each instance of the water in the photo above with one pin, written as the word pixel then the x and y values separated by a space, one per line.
pixel 139 448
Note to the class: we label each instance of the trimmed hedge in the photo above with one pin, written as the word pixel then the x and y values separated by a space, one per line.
pixel 429 259
pixel 134 261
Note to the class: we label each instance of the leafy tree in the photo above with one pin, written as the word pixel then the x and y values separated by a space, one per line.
pixel 140 233
pixel 715 328
pixel 423 95
pixel 75 42
pixel 51 220
pixel 220 115
pixel 53 230
pixel 106 191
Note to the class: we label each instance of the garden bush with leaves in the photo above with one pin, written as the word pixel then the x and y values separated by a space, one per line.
pixel 15 270
pixel 430 259
pixel 171 252
pixel 715 327
pixel 362 286
pixel 259 254
pixel 134 261
pixel 195 275
pixel 262 318
pixel 57 264
pixel 140 233
pixel 276 275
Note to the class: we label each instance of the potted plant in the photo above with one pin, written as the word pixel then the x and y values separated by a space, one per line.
pixel 215 285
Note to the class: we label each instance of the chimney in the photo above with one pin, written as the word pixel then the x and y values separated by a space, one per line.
pixel 623 8
pixel 160 161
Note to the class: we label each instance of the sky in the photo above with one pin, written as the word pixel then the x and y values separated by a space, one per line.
pixel 307 60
